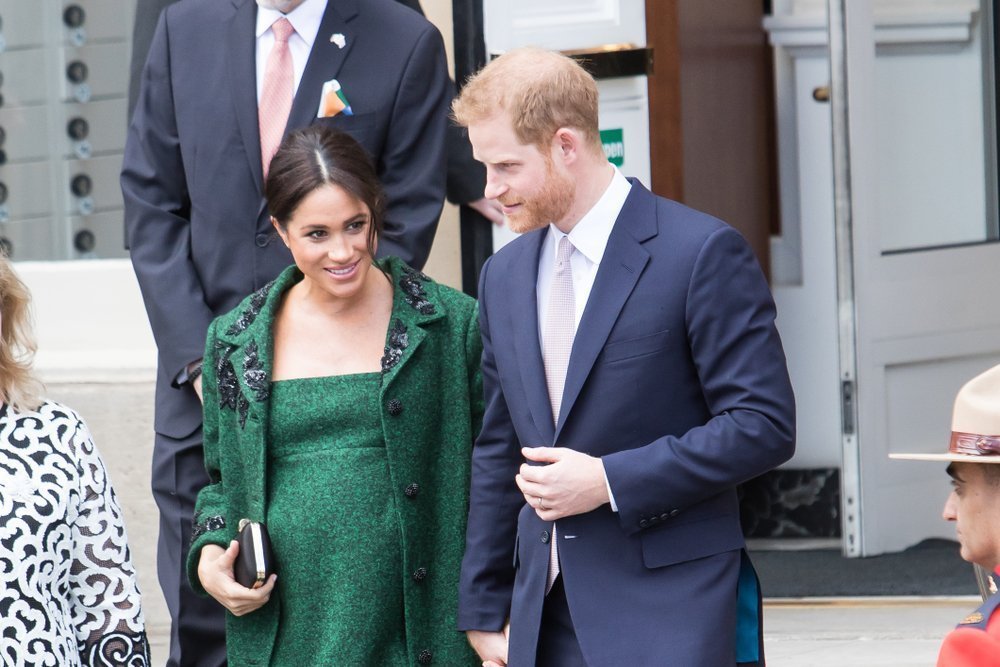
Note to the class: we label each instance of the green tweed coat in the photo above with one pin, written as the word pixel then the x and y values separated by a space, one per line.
pixel 432 403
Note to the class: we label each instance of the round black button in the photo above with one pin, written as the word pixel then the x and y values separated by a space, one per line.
pixel 643 523
pixel 412 490
pixel 395 407
pixel 76 71
pixel 674 512
pixel 425 657
pixel 84 240
pixel 78 129
pixel 262 239
pixel 664 516
pixel 81 185
pixel 74 16
pixel 545 537
pixel 3 193
pixel 420 574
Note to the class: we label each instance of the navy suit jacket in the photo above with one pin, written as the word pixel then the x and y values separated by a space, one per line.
pixel 196 220
pixel 677 380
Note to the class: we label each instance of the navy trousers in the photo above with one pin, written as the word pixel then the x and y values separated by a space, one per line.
pixel 197 623
pixel 557 643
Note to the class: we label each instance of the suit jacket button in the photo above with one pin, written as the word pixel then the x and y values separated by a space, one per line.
pixel 665 516
pixel 425 657
pixel 412 490
pixel 674 512
pixel 545 537
pixel 395 407
pixel 420 574
pixel 262 240
pixel 643 523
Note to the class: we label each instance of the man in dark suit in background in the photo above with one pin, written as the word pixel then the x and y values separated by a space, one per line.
pixel 197 224
pixel 633 377
pixel 465 175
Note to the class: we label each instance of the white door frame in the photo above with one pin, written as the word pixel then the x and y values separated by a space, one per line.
pixel 913 325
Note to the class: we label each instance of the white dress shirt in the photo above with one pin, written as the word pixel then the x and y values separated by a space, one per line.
pixel 305 19
pixel 590 239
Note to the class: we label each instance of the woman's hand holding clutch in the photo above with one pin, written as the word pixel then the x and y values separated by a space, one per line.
pixel 215 570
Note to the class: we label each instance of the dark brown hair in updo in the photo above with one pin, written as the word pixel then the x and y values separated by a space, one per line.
pixel 314 156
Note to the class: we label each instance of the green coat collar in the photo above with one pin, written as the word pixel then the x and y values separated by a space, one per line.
pixel 244 349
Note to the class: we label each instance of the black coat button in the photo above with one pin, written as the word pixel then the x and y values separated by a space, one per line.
pixel 395 407
pixel 545 537
pixel 643 523
pixel 412 490
pixel 425 657
pixel 664 516
pixel 262 239
pixel 420 574
pixel 674 512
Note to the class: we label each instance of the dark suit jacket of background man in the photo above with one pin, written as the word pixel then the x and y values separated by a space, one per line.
pixel 677 380
pixel 196 221
pixel 466 176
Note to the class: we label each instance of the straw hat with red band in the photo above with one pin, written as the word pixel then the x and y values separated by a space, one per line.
pixel 975 423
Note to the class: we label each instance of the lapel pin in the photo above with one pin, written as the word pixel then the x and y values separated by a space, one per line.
pixel 338 39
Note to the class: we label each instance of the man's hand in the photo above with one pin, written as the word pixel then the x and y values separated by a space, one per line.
pixel 572 483
pixel 215 570
pixel 490 646
pixel 489 209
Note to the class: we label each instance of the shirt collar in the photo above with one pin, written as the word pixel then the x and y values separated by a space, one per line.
pixel 590 235
pixel 305 19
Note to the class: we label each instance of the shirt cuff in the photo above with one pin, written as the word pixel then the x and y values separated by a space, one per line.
pixel 607 484
pixel 188 374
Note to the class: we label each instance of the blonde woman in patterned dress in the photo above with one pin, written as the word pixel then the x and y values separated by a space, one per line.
pixel 68 593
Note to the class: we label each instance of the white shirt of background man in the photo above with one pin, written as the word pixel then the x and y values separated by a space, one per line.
pixel 305 19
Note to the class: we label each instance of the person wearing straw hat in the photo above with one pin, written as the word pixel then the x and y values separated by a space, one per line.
pixel 974 506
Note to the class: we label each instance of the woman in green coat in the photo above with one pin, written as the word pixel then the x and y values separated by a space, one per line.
pixel 341 404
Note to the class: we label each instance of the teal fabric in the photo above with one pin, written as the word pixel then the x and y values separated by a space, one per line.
pixel 431 375
pixel 328 469
pixel 748 629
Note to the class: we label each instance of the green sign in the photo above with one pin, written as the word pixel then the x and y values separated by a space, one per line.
pixel 614 146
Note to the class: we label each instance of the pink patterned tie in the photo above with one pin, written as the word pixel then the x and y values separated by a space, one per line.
pixel 276 95
pixel 557 343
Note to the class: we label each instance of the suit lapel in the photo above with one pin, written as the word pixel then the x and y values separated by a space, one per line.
pixel 242 47
pixel 622 264
pixel 523 309
pixel 324 62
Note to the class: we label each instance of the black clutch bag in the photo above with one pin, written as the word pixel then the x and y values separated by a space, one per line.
pixel 255 562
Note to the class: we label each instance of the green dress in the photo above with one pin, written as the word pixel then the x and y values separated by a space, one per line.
pixel 369 539
pixel 341 594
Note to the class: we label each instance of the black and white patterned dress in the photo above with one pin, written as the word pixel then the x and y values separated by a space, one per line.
pixel 68 592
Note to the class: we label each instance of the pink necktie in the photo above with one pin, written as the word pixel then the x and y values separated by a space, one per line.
pixel 557 343
pixel 276 95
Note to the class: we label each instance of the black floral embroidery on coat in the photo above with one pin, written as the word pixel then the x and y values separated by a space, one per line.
pixel 201 527
pixel 413 291
pixel 229 388
pixel 247 317
pixel 253 373
pixel 398 340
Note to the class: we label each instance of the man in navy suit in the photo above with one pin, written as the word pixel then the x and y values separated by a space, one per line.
pixel 633 378
pixel 196 221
